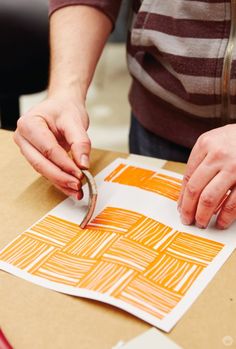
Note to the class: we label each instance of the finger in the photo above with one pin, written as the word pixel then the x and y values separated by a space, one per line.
pixel 46 167
pixel 79 141
pixel 69 192
pixel 193 189
pixel 218 208
pixel 227 213
pixel 197 155
pixel 36 131
pixel 211 197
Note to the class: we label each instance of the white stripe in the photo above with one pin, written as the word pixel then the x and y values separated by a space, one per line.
pixel 195 10
pixel 154 268
pixel 110 256
pixel 163 273
pixel 46 237
pixel 63 277
pixel 180 46
pixel 204 84
pixel 140 230
pixel 178 287
pixel 147 81
pixel 45 253
pixel 107 226
pixel 21 251
pixel 177 270
pixel 170 180
pixel 200 84
pixel 102 245
pixel 118 173
pixel 142 303
pixel 185 255
pixel 97 275
pixel 164 239
pixel 119 282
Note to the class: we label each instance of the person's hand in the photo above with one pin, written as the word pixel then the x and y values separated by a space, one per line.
pixel 210 174
pixel 47 132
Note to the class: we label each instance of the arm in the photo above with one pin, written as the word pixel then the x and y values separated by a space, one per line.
pixel 78 35
pixel 57 125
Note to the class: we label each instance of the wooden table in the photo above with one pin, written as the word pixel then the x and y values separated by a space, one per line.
pixel 36 318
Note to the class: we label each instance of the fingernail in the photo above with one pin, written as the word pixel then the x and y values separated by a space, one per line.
pixel 200 226
pixel 179 208
pixel 73 185
pixel 78 174
pixel 185 221
pixel 80 195
pixel 220 227
pixel 84 160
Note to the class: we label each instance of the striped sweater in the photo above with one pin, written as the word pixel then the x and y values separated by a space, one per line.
pixel 182 57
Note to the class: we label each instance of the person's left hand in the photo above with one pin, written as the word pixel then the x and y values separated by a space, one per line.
pixel 210 174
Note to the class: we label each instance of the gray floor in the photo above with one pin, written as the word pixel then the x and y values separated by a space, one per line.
pixel 107 101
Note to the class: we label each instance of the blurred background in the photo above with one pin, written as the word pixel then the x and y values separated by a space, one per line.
pixel 24 72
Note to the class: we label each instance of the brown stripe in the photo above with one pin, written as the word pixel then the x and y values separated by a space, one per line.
pixel 183 27
pixel 233 99
pixel 203 11
pixel 209 67
pixel 165 120
pixel 110 8
pixel 195 66
pixel 172 84
pixel 233 70
pixel 203 111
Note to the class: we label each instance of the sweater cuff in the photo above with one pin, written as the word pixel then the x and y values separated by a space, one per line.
pixel 109 8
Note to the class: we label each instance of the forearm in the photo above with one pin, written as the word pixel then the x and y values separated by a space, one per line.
pixel 77 37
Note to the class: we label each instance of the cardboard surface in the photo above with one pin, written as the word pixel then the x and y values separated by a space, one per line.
pixel 34 317
pixel 151 339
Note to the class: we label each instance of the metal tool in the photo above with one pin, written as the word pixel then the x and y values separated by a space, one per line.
pixel 92 198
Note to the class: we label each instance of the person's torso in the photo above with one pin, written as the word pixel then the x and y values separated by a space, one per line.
pixel 184 52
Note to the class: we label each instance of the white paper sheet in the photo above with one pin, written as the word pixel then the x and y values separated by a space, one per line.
pixel 157 207
pixel 151 339
pixel 135 254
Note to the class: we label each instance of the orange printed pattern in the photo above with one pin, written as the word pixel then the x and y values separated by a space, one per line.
pixel 147 180
pixel 121 253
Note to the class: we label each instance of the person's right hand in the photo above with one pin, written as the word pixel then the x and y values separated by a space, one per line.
pixel 45 135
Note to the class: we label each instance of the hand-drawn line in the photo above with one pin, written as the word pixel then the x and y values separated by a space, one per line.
pixel 24 250
pixel 116 220
pixel 121 253
pixel 58 232
pixel 64 268
pixel 91 243
pixel 107 277
pixel 149 296
pixel 147 180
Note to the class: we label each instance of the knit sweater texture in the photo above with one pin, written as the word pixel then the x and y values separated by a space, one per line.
pixel 175 54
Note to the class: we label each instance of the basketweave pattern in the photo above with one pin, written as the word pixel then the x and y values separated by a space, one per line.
pixel 148 180
pixel 121 253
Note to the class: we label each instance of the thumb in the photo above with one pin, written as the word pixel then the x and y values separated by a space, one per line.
pixel 80 144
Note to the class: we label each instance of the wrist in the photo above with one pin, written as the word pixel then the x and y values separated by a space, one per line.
pixel 65 102
pixel 74 90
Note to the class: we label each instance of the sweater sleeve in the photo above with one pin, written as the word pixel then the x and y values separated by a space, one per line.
pixel 108 7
